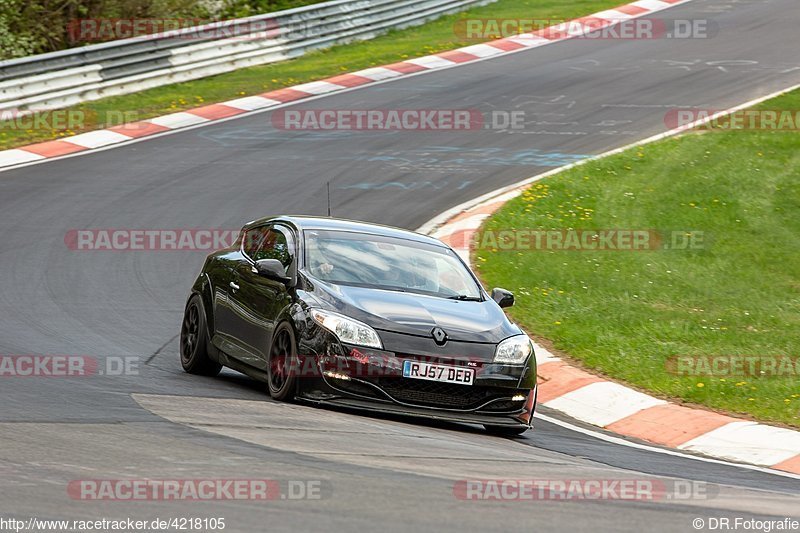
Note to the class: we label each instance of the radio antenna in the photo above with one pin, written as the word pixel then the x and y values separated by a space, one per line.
pixel 329 197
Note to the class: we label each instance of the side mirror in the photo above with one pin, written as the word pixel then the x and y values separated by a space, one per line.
pixel 271 269
pixel 503 297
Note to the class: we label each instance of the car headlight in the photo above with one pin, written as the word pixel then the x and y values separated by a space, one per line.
pixel 348 330
pixel 514 350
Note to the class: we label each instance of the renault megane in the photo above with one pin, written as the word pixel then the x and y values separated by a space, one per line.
pixel 362 316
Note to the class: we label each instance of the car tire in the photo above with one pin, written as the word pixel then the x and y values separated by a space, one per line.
pixel 505 431
pixel 194 341
pixel 281 366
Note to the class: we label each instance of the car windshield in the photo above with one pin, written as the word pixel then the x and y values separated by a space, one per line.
pixel 364 260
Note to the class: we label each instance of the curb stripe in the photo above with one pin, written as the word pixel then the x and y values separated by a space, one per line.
pixel 250 103
pixel 614 15
pixel 177 120
pixel 349 80
pixel 319 87
pixel 748 442
pixel 139 129
pixel 16 156
pixel 215 111
pixel 790 465
pixel 54 148
pixel 430 62
pixel 507 45
pixel 603 403
pixel 651 5
pixel 285 95
pixel 561 378
pixel 457 56
pixel 670 425
pixel 528 40
pixel 97 139
pixel 631 9
pixel 377 73
pixel 406 67
pixel 481 50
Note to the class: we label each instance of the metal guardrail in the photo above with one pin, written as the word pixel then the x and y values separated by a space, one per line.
pixel 67 77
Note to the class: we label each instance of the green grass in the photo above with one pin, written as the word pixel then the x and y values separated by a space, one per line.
pixel 625 313
pixel 433 37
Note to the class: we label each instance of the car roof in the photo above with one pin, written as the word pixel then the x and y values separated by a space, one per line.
pixel 305 222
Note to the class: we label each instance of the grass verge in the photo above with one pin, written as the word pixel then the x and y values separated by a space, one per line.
pixel 626 314
pixel 433 37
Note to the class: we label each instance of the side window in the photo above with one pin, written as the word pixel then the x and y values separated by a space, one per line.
pixel 275 245
pixel 252 240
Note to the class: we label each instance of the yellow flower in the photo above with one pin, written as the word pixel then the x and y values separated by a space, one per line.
pixel 701 385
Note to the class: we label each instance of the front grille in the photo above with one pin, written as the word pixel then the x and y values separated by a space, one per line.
pixel 435 394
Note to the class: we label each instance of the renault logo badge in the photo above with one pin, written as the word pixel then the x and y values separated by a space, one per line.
pixel 439 336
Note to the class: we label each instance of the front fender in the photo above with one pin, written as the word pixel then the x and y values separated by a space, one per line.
pixel 203 287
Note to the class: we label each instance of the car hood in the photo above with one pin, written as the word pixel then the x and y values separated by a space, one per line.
pixel 417 314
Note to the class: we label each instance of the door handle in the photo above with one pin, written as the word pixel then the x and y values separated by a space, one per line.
pixel 234 286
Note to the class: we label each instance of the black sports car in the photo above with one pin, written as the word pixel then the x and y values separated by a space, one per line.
pixel 362 316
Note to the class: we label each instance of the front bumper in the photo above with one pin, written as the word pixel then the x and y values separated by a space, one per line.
pixel 372 380
pixel 512 420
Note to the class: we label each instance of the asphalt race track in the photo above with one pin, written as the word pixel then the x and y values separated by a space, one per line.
pixel 580 98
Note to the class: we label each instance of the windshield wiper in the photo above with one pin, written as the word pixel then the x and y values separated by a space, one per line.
pixel 464 298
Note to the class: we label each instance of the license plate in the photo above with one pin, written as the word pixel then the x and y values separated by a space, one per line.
pixel 434 372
